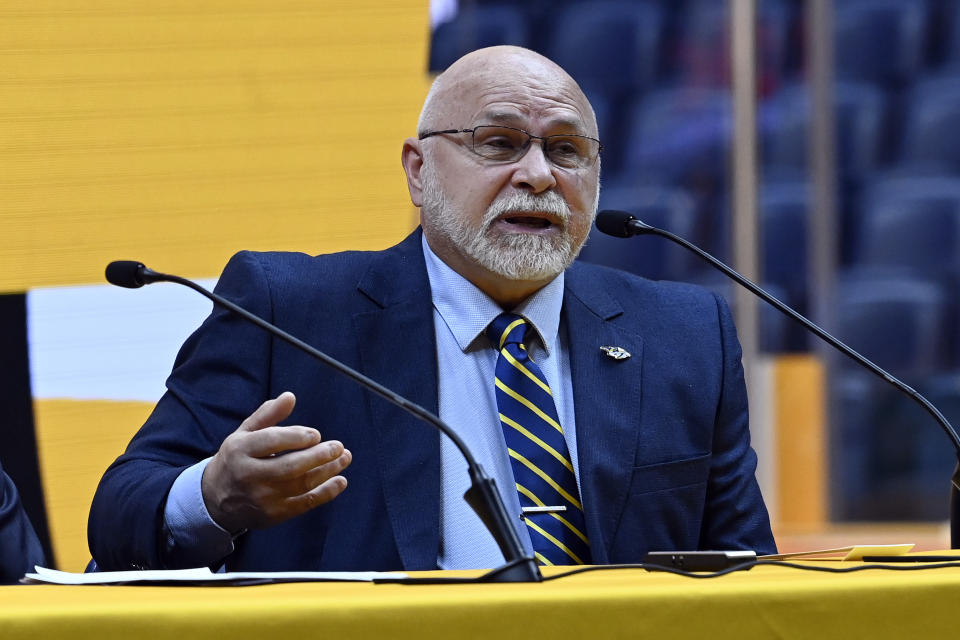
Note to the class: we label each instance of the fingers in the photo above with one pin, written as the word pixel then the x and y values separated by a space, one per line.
pixel 321 484
pixel 259 437
pixel 320 474
pixel 270 412
pixel 321 494
pixel 274 491
pixel 270 441
pixel 264 474
pixel 293 464
pixel 304 475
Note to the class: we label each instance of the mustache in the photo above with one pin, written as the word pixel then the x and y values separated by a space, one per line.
pixel 523 202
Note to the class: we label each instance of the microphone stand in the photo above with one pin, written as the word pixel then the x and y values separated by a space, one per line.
pixel 482 496
pixel 623 225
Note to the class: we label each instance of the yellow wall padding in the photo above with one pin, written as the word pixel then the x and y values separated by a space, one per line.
pixel 801 452
pixel 77 440
pixel 178 132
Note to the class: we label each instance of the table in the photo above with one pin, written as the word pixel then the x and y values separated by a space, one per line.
pixel 763 602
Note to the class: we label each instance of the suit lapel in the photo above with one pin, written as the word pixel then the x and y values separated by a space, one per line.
pixel 606 395
pixel 398 349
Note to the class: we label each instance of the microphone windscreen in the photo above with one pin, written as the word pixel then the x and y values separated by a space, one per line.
pixel 125 273
pixel 614 223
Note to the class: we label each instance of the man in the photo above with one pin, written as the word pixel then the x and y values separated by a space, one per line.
pixel 640 384
pixel 20 549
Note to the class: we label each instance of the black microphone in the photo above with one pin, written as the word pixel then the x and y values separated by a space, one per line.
pixel 482 496
pixel 130 274
pixel 623 225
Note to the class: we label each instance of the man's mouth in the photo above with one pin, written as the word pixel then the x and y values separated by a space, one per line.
pixel 527 221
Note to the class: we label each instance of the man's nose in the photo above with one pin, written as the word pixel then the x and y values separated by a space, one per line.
pixel 533 171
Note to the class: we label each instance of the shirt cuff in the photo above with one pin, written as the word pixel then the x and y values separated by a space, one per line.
pixel 193 538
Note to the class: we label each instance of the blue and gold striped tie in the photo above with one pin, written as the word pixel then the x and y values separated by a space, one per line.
pixel 537 448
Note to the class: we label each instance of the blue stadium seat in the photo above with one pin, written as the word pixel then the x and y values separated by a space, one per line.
pixel 910 222
pixel 660 259
pixel 775 328
pixel 703 47
pixel 656 258
pixel 861 133
pixel 936 459
pixel 889 459
pixel 951 34
pixel 610 134
pixel 880 41
pixel 610 46
pixel 899 320
pixel 678 135
pixel 475 27
pixel 931 132
pixel 854 425
pixel 782 218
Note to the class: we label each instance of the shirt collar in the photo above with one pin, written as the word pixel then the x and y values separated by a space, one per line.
pixel 467 310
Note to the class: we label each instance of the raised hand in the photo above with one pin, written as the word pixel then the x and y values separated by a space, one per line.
pixel 264 474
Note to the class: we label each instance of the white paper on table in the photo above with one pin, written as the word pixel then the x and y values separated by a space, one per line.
pixel 202 575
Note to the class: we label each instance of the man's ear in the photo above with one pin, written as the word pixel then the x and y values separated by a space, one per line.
pixel 412 158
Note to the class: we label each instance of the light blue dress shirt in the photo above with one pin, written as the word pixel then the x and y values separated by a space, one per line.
pixel 466 363
pixel 467 402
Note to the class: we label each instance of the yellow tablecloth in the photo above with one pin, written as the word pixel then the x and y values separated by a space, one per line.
pixel 765 602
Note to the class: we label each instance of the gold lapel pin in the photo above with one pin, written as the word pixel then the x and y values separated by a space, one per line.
pixel 617 353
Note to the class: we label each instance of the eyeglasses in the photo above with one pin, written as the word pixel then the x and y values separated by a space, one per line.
pixel 507 144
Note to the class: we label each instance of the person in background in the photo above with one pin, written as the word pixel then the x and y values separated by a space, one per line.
pixel 20 549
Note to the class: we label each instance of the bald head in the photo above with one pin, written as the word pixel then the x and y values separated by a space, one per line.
pixel 506 70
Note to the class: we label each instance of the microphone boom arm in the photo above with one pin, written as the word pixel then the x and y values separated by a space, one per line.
pixel 482 496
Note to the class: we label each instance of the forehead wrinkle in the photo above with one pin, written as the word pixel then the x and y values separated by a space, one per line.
pixel 551 112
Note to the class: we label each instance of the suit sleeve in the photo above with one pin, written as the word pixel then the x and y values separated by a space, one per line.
pixel 20 549
pixel 735 516
pixel 220 376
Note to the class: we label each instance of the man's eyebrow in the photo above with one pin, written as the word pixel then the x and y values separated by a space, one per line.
pixel 500 117
pixel 571 125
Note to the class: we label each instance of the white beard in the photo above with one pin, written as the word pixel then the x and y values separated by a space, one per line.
pixel 515 256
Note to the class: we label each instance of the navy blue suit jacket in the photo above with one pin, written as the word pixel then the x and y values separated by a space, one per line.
pixel 20 549
pixel 662 437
